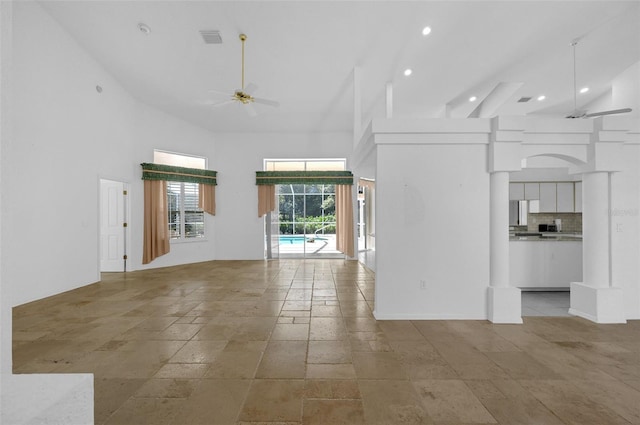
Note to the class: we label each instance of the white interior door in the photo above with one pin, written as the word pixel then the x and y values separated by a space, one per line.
pixel 113 226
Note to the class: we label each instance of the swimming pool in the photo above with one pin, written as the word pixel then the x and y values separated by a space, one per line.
pixel 298 239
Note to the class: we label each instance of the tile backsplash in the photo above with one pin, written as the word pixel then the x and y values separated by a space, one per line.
pixel 571 222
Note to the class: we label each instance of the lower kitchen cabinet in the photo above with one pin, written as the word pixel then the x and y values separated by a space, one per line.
pixel 545 264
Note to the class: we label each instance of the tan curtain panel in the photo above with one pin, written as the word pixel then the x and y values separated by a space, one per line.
pixel 344 220
pixel 266 199
pixel 207 198
pixel 156 220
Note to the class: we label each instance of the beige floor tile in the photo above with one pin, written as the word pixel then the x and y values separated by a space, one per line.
pixel 392 402
pixel 274 400
pixel 520 365
pixel 378 365
pixel 451 401
pixel 282 360
pixel 297 305
pixel 570 404
pixel 245 346
pixel 326 311
pixel 182 370
pixel 329 352
pixel 199 352
pixel 362 324
pixel 327 328
pixel 167 388
pixel 146 411
pixel 331 389
pixel 290 332
pixel 333 412
pixel 110 394
pixel 400 330
pixel 213 402
pixel 179 332
pixel 305 325
pixel 234 365
pixel 330 371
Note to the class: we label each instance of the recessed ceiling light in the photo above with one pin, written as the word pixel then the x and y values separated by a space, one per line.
pixel 407 72
pixel 426 31
pixel 541 97
pixel 144 28
pixel 473 99
pixel 584 89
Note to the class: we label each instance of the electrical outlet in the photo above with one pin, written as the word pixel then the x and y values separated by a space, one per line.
pixel 423 284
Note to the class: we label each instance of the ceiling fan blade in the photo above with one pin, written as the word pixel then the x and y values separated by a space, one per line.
pixel 266 101
pixel 251 111
pixel 611 112
pixel 577 114
pixel 250 89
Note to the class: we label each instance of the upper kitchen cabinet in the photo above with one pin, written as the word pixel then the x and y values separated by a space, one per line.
pixel 548 197
pixel 564 197
pixel 578 197
pixel 516 191
pixel 531 191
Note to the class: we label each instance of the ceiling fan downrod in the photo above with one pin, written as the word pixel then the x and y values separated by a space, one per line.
pixel 574 43
pixel 243 38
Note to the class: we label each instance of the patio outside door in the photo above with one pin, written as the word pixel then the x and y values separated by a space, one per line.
pixel 307 221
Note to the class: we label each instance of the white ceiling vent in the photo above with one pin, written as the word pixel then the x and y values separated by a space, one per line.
pixel 524 99
pixel 211 36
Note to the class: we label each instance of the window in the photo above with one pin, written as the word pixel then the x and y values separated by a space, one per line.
pixel 186 219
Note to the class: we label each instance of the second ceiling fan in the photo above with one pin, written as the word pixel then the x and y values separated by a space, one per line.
pixel 244 95
pixel 583 114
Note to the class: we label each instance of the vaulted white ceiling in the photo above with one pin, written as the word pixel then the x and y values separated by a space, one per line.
pixel 303 54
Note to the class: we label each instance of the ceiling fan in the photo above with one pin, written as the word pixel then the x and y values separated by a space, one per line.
pixel 244 95
pixel 583 114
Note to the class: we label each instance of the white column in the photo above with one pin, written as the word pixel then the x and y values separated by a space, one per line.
pixel 504 301
pixel 499 229
pixel 595 298
pixel 595 219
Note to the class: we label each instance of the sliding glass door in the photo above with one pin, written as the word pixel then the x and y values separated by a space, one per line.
pixel 305 213
pixel 307 218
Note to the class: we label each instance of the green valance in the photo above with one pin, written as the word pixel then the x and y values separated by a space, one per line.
pixel 307 177
pixel 177 174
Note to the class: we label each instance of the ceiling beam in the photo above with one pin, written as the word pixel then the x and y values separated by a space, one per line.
pixel 495 99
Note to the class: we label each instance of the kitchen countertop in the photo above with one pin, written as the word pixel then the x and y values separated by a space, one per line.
pixel 545 236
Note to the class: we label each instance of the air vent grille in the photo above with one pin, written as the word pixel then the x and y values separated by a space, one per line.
pixel 211 36
pixel 524 99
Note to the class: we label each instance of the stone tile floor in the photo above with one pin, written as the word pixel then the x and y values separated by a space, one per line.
pixel 295 342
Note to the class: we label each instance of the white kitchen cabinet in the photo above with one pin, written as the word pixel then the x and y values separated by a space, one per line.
pixel 548 197
pixel 578 197
pixel 545 264
pixel 564 197
pixel 516 191
pixel 531 191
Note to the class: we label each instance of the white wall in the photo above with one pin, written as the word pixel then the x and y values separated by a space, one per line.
pixel 239 231
pixel 625 230
pixel 154 129
pixel 66 137
pixel 626 90
pixel 432 215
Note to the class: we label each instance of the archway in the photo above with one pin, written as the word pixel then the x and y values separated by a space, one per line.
pixel 545 232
